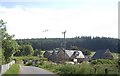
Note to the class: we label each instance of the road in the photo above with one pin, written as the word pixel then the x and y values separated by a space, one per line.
pixel 34 71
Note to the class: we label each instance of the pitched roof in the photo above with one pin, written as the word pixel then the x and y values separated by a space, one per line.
pixel 102 54
pixel 108 54
pixel 69 52
pixel 47 54
pixel 80 55
pixel 77 54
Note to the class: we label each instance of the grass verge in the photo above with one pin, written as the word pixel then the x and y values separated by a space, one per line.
pixel 13 71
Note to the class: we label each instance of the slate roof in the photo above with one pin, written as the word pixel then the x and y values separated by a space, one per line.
pixel 102 54
pixel 69 54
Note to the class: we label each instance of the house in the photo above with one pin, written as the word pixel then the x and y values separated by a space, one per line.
pixel 103 54
pixel 53 55
pixel 47 54
pixel 77 54
pixel 85 59
pixel 67 55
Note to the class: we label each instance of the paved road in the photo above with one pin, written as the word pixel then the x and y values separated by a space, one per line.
pixel 34 71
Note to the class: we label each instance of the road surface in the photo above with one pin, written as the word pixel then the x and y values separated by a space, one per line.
pixel 34 71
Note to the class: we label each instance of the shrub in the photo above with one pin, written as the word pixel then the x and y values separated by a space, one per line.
pixel 29 64
pixel 103 61
pixel 43 59
pixel 75 69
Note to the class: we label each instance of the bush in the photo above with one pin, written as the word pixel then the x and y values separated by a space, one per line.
pixel 29 64
pixel 75 69
pixel 83 68
pixel 43 59
pixel 103 61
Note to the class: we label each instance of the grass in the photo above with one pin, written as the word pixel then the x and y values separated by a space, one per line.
pixel 14 70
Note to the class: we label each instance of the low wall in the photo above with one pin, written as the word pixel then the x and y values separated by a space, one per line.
pixel 5 67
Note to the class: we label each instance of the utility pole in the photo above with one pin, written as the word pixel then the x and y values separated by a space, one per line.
pixel 64 44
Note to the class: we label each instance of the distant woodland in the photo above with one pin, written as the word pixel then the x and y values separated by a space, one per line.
pixel 83 42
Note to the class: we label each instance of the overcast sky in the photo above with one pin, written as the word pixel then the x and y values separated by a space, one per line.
pixel 78 17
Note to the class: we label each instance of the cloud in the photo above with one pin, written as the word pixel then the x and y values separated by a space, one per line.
pixel 30 22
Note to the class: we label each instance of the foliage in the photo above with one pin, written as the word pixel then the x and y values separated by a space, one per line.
pixel 83 68
pixel 9 46
pixel 21 58
pixel 28 64
pixel 73 48
pixel 86 52
pixel 89 43
pixel 75 69
pixel 28 50
pixel 14 69
pixel 37 52
pixel 25 50
pixel 103 61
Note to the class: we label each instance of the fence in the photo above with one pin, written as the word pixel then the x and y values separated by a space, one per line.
pixel 5 67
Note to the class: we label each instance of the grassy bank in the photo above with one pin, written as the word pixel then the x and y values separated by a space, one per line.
pixel 13 71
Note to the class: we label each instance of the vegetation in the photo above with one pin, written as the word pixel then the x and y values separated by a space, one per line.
pixel 14 70
pixel 103 61
pixel 21 58
pixel 83 68
pixel 92 53
pixel 9 46
pixel 24 50
pixel 85 42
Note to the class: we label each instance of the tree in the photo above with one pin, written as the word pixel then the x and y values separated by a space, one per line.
pixel 37 52
pixel 9 46
pixel 86 42
pixel 27 50
pixel 86 52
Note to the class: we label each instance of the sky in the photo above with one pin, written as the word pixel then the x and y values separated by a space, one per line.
pixel 49 18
